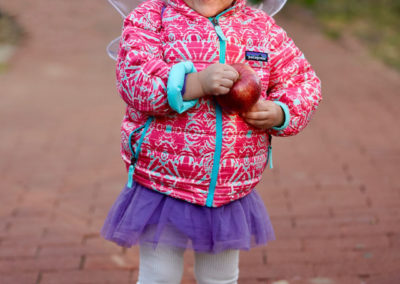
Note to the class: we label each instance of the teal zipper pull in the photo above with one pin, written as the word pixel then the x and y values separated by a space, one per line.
pixel 220 33
pixel 135 155
pixel 271 166
pixel 218 29
pixel 130 175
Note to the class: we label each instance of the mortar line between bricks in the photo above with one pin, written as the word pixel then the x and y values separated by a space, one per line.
pixel 302 245
pixel 390 235
pixel 369 202
pixel 264 257
pixel 37 252
pixel 53 216
pixel 95 193
pixel 314 269
pixel 130 278
pixel 39 278
pixel 44 232
pixel 288 205
pixel 363 277
pixel 92 208
pixel 330 212
pixel 8 226
pixel 82 262
pixel 293 222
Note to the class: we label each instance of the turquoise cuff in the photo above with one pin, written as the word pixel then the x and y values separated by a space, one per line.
pixel 175 84
pixel 287 116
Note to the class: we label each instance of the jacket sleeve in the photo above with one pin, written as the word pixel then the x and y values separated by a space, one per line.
pixel 142 74
pixel 293 83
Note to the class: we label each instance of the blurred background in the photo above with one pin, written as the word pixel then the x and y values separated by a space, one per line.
pixel 333 196
pixel 374 23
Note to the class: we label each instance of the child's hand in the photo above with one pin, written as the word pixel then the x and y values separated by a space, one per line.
pixel 217 79
pixel 264 115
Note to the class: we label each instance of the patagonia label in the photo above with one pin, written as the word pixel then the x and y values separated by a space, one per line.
pixel 257 56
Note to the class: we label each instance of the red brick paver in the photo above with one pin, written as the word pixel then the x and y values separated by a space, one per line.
pixel 334 195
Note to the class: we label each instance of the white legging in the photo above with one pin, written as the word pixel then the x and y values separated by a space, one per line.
pixel 165 265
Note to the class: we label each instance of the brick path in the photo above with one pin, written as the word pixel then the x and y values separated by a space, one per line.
pixel 334 195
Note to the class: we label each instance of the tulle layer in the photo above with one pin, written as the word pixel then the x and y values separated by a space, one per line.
pixel 141 215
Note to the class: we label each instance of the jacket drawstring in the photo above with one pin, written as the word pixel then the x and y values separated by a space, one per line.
pixel 135 155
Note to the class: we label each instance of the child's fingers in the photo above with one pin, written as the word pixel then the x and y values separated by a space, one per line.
pixel 221 90
pixel 257 115
pixel 262 124
pixel 227 83
pixel 231 73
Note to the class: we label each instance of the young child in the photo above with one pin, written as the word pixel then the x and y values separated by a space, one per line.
pixel 192 167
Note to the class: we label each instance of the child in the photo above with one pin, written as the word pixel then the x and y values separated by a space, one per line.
pixel 192 167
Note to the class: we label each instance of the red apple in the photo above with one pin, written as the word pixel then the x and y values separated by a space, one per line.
pixel 244 93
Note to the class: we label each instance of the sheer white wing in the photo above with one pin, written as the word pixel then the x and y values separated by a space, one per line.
pixel 113 47
pixel 124 7
pixel 272 7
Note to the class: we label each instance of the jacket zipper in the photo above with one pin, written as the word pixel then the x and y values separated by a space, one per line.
pixel 218 113
pixel 222 38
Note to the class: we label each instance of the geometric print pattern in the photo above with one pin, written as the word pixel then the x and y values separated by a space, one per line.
pixel 176 156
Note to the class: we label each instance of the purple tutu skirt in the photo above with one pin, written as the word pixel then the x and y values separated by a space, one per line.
pixel 141 215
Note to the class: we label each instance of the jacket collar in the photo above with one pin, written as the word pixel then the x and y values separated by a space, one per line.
pixel 184 9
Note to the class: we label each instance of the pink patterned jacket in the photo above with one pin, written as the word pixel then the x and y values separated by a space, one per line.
pixel 198 152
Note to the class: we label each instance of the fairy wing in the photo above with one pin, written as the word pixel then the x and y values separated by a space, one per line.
pixel 272 7
pixel 124 7
pixel 112 48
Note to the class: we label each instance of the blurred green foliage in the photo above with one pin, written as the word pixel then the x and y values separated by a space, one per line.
pixel 10 36
pixel 10 31
pixel 375 22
